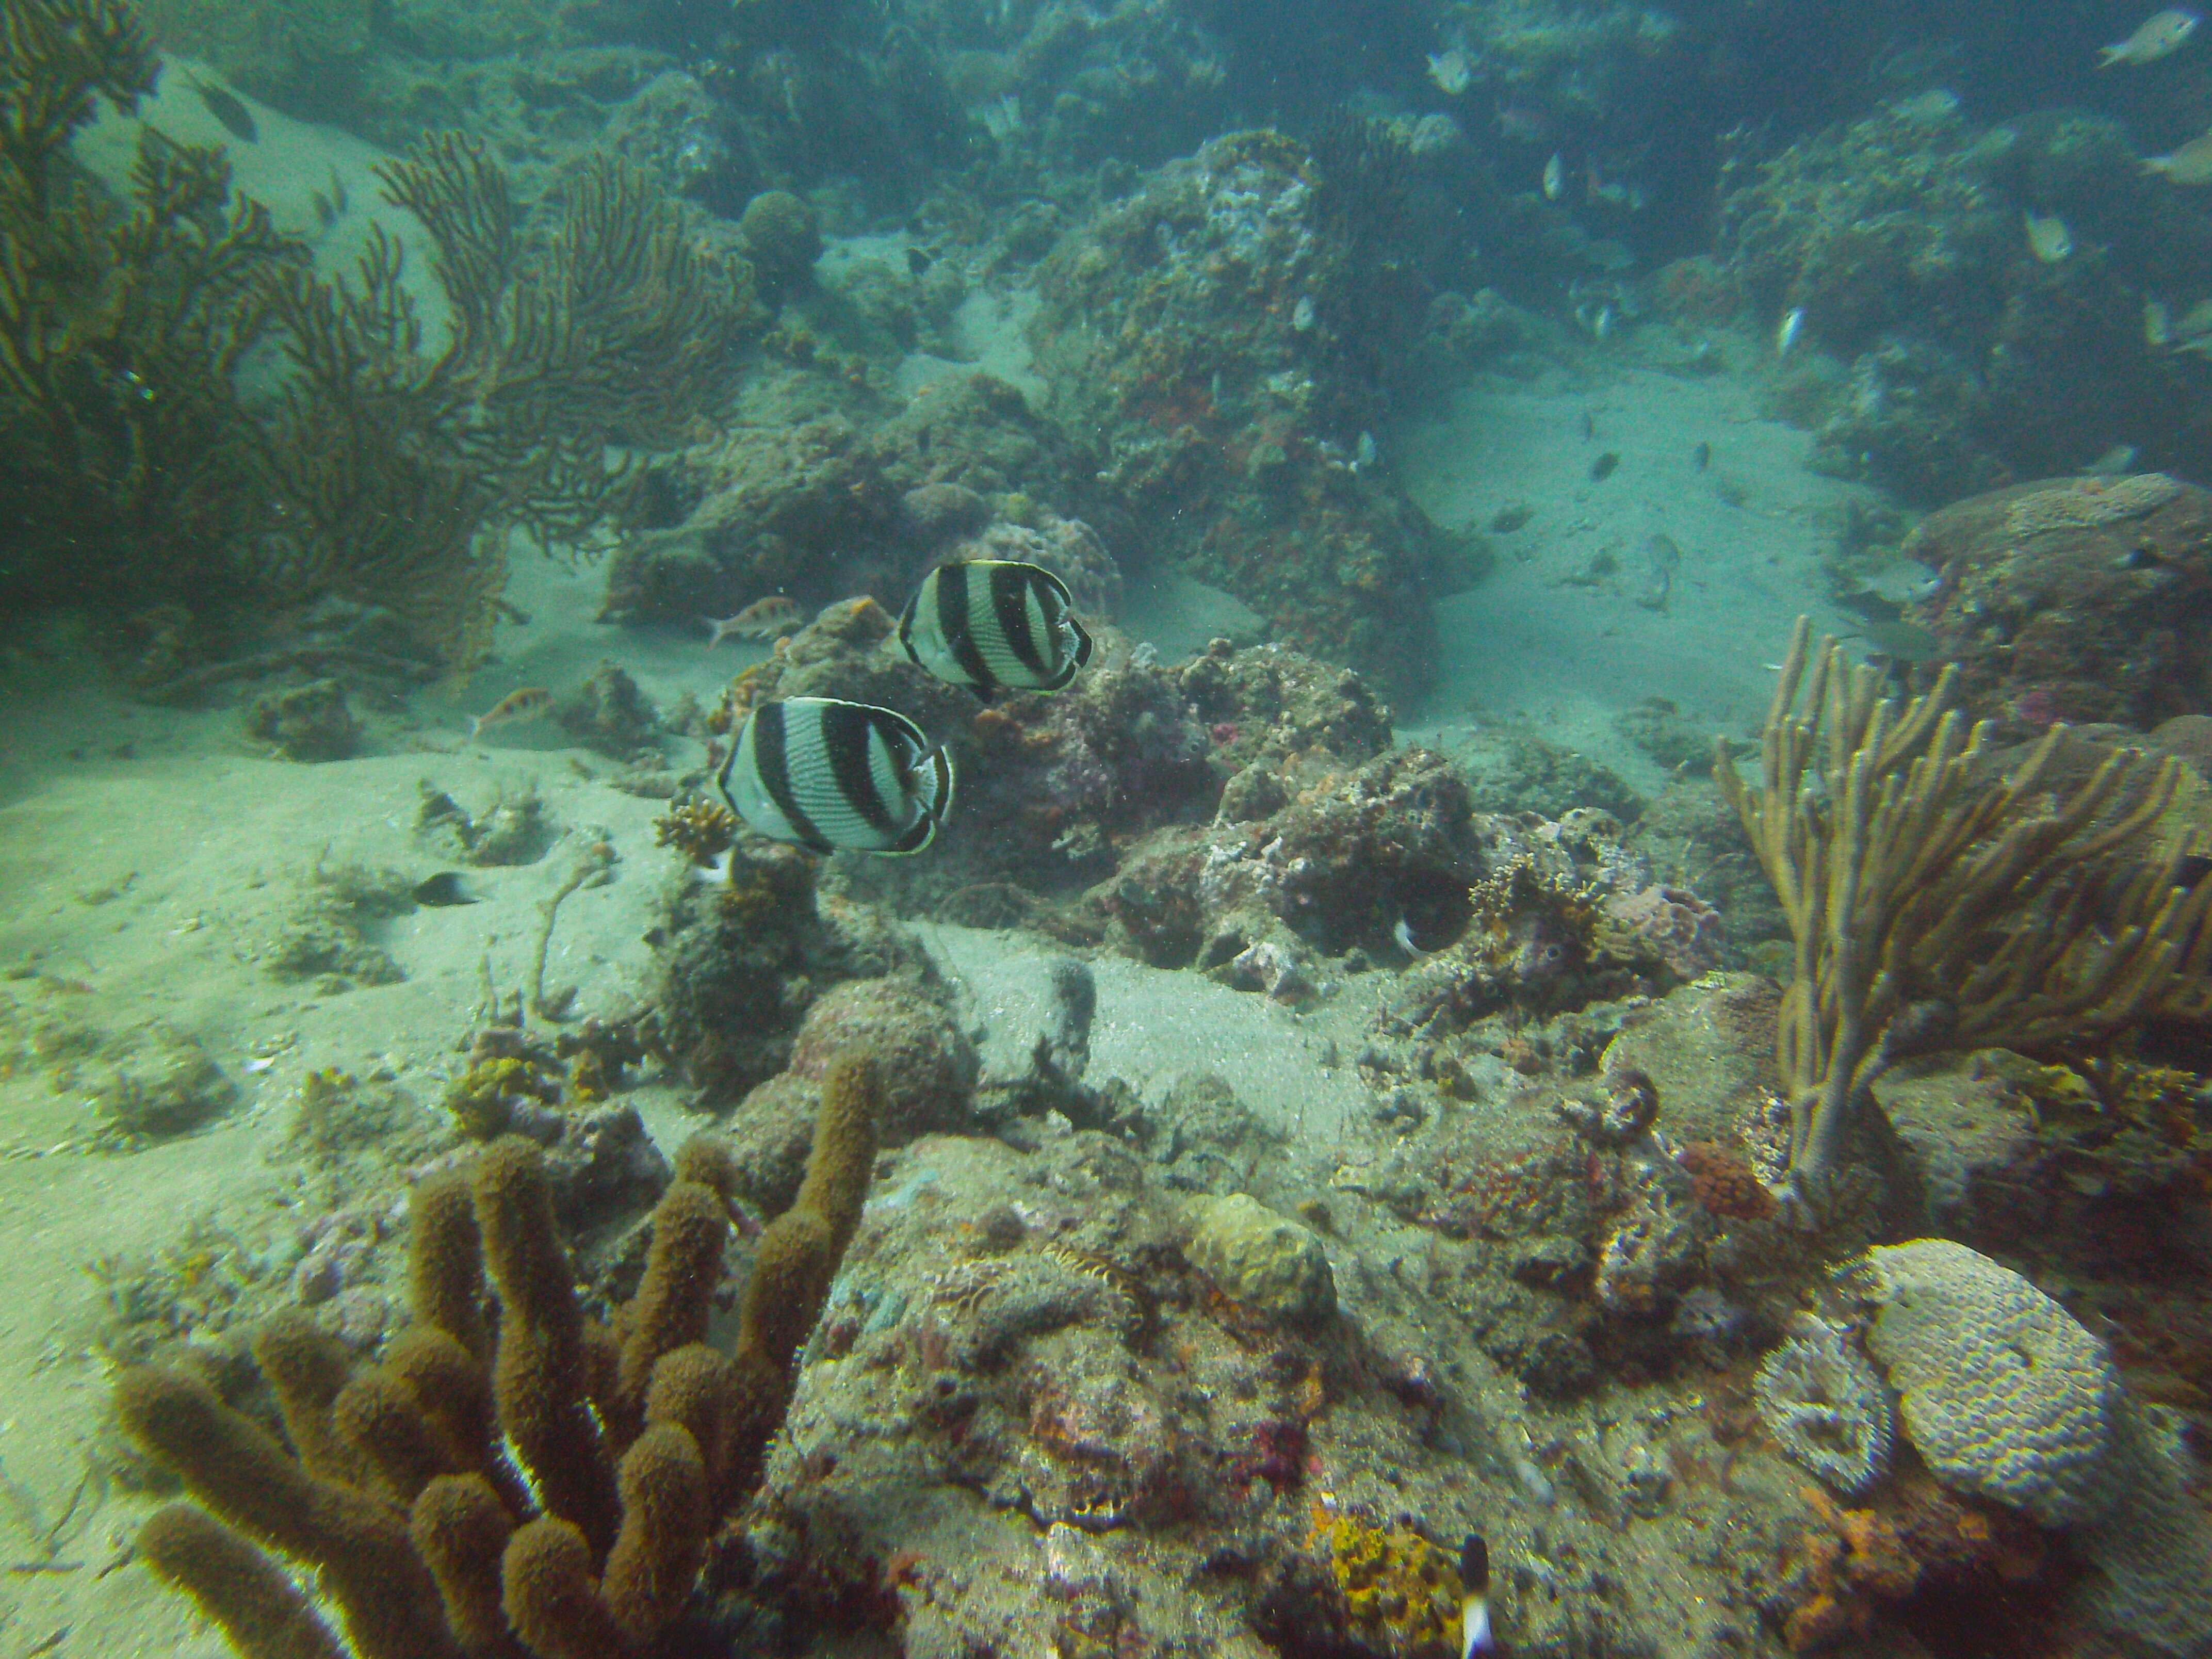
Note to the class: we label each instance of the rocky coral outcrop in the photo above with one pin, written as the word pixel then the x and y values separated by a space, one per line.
pixel 2081 600
pixel 1972 361
pixel 1216 332
pixel 2008 1395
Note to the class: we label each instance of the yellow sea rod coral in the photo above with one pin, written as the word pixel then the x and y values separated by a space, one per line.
pixel 1401 1592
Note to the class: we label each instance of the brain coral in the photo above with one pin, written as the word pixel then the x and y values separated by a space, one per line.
pixel 1824 1406
pixel 2003 1392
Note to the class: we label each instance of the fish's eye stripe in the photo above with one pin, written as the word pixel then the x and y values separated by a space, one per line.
pixel 847 732
pixel 1010 611
pixel 771 746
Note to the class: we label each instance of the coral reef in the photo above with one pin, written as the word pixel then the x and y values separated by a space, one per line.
pixel 636 1438
pixel 930 1071
pixel 1910 887
pixel 1231 434
pixel 513 829
pixel 738 963
pixel 1972 362
pixel 1264 1261
pixel 2007 1396
pixel 609 713
pixel 308 722
pixel 1824 1406
pixel 2072 599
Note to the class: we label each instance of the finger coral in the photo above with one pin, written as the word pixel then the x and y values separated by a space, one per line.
pixel 397 1488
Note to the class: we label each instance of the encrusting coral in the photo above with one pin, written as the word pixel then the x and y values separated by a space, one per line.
pixel 1931 912
pixel 637 1438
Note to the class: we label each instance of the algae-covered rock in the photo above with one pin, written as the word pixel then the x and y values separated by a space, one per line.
pixel 608 713
pixel 308 722
pixel 1266 1262
pixel 154 1079
pixel 2067 599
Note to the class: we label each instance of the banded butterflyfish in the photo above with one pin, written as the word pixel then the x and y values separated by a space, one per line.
pixel 833 775
pixel 994 624
pixel 1474 1632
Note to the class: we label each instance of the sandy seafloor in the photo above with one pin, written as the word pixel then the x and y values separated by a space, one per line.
pixel 147 853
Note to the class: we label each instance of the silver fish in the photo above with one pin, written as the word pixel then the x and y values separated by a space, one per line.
pixel 1555 177
pixel 2155 38
pixel 829 775
pixel 2048 239
pixel 994 624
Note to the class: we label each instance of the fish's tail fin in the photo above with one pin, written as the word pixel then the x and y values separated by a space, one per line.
pixel 476 725
pixel 2108 55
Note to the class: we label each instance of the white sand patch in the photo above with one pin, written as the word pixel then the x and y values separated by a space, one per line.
pixel 1524 647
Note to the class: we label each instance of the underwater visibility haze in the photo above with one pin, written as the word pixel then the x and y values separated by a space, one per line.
pixel 1110 829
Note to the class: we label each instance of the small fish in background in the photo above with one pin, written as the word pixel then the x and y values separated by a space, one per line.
pixel 526 704
pixel 1450 71
pixel 994 624
pixel 1475 1633
pixel 1519 122
pixel 2157 36
pixel 1926 109
pixel 1614 192
pixel 1788 330
pixel 831 776
pixel 1555 177
pixel 1660 559
pixel 2115 463
pixel 779 613
pixel 2190 332
pixel 2048 239
pixel 1589 426
pixel 445 888
pixel 2190 166
pixel 226 107
pixel 1601 468
pixel 1701 457
pixel 917 262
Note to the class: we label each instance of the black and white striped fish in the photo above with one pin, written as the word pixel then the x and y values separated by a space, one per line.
pixel 1475 1637
pixel 996 624
pixel 828 775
